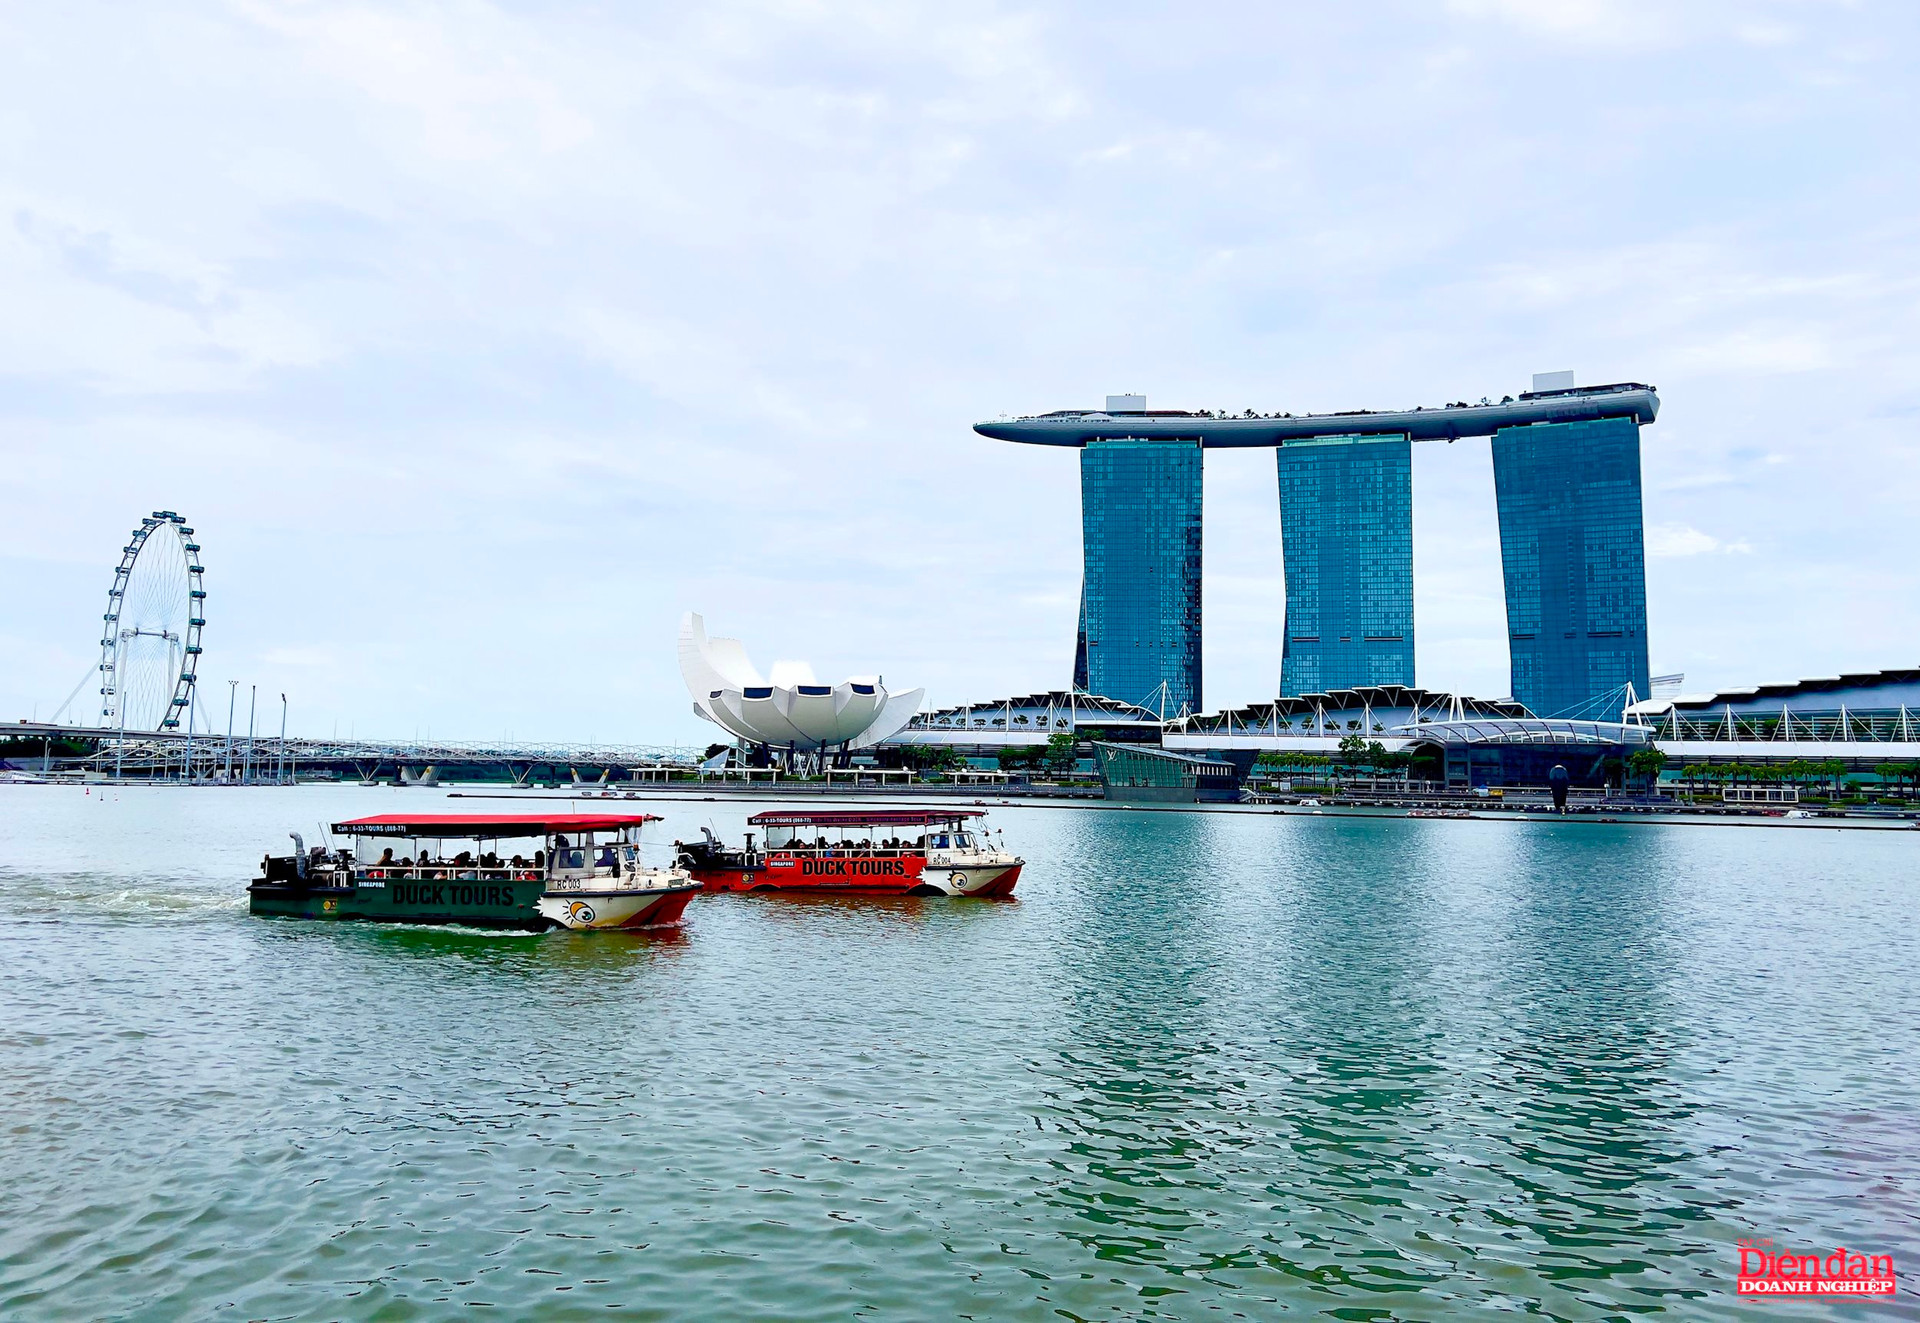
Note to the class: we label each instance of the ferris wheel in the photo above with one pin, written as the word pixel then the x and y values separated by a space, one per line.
pixel 150 647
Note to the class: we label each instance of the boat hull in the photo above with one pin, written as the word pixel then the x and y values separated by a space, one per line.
pixel 991 882
pixel 898 876
pixel 510 904
pixel 880 876
pixel 617 909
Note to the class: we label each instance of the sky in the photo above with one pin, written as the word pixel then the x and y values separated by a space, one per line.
pixel 480 341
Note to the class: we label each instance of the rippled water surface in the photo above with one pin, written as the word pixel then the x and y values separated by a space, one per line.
pixel 1208 1065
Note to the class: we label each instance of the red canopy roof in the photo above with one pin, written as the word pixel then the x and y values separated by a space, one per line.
pixel 482 825
pixel 864 818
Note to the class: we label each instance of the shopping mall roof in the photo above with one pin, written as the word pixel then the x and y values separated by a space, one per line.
pixel 1055 709
pixel 1555 731
pixel 1421 705
pixel 1853 689
pixel 1076 427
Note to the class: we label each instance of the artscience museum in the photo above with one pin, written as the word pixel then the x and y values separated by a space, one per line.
pixel 788 713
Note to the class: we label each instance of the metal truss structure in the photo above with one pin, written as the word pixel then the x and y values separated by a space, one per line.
pixel 1025 719
pixel 1560 732
pixel 1370 710
pixel 1899 725
pixel 188 756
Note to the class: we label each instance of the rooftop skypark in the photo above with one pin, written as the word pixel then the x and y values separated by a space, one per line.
pixel 1215 429
pixel 1567 481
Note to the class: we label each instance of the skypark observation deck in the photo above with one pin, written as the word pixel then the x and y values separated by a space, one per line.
pixel 1220 431
pixel 1566 463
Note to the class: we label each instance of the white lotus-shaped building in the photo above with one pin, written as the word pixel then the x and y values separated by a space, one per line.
pixel 791 710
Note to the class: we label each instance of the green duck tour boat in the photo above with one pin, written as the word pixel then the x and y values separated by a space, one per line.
pixel 575 870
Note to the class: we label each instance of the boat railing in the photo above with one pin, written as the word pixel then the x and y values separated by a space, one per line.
pixel 449 872
pixel 864 851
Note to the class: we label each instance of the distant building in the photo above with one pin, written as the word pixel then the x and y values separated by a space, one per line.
pixel 1574 557
pixel 1863 718
pixel 1135 774
pixel 790 713
pixel 1395 715
pixel 1140 595
pixel 1346 532
pixel 1567 477
pixel 1026 720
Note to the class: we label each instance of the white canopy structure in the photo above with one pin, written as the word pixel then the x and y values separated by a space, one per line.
pixel 791 710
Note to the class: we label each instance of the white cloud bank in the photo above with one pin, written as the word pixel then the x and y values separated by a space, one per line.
pixel 1673 540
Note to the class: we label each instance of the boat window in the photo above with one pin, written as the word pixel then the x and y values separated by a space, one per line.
pixel 571 858
pixel 963 840
pixel 938 842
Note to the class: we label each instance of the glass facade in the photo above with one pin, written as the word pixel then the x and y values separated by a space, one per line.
pixel 1080 645
pixel 1346 536
pixel 1140 597
pixel 1132 772
pixel 1572 547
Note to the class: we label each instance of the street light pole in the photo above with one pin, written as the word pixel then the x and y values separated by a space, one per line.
pixel 233 693
pixel 119 745
pixel 280 763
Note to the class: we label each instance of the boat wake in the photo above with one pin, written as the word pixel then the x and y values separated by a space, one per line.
pixel 88 896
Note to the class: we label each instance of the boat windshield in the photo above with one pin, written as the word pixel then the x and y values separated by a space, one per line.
pixel 484 857
pixel 848 839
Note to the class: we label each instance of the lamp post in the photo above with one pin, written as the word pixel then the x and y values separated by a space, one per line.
pixel 120 744
pixel 280 764
pixel 233 693
pixel 193 706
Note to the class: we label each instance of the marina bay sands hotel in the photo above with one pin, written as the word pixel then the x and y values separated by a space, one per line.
pixel 1566 469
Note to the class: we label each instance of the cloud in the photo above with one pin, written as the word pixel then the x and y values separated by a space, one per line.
pixel 299 657
pixel 496 336
pixel 1668 541
pixel 1613 22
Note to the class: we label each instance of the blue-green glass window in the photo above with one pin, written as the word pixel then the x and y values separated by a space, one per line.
pixel 1140 607
pixel 1572 546
pixel 1346 533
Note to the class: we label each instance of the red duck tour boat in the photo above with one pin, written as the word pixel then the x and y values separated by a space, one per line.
pixel 888 852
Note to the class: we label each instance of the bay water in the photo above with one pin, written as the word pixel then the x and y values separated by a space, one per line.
pixel 1205 1065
